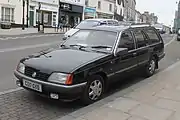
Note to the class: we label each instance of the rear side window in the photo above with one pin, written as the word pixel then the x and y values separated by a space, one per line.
pixel 139 38
pixel 152 36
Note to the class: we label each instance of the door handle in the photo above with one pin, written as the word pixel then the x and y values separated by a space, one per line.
pixel 134 54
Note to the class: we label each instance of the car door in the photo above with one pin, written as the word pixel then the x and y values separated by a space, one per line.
pixel 143 49
pixel 126 62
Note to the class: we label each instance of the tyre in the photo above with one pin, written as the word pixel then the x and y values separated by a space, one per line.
pixel 94 90
pixel 150 68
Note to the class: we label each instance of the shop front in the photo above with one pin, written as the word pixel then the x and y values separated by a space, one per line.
pixel 70 14
pixel 105 15
pixel 48 11
pixel 89 12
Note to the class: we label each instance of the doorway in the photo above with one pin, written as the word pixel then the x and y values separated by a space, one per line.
pixel 31 18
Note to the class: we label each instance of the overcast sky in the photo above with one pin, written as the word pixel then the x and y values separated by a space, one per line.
pixel 164 9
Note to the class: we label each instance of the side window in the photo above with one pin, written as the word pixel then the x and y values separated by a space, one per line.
pixel 152 36
pixel 110 22
pixel 139 38
pixel 103 23
pixel 126 41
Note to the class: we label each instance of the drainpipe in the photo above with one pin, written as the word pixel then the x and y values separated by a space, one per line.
pixel 27 19
pixel 23 15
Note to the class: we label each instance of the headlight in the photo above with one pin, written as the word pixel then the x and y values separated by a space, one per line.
pixel 61 78
pixel 21 68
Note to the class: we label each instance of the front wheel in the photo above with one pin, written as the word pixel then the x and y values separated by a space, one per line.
pixel 94 89
pixel 150 68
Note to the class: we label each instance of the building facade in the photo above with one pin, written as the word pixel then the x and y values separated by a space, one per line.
pixel 46 10
pixel 104 8
pixel 119 10
pixel 129 10
pixel 138 17
pixel 11 11
pixel 149 18
pixel 71 12
pixel 66 12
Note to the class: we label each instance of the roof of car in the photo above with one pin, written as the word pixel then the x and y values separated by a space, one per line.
pixel 109 28
pixel 118 28
pixel 101 19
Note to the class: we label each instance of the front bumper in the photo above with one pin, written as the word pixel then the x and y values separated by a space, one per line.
pixel 64 91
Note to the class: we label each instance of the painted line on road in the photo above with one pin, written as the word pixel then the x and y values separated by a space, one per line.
pixel 170 41
pixel 28 47
pixel 23 37
pixel 11 90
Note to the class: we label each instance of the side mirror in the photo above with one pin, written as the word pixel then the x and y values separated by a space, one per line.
pixel 121 51
pixel 64 38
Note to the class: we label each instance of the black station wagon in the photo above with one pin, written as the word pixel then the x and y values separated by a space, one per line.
pixel 84 65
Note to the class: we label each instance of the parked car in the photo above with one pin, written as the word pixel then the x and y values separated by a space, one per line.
pixel 85 64
pixel 89 23
pixel 5 25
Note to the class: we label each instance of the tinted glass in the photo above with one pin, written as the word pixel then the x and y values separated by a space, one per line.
pixel 126 41
pixel 152 36
pixel 87 24
pixel 139 38
pixel 92 38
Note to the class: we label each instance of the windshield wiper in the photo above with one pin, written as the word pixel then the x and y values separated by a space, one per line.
pixel 101 46
pixel 80 46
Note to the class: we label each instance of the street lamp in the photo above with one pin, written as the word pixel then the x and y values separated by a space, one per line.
pixel 23 15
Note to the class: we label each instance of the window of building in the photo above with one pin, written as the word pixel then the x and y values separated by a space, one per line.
pixel 119 2
pixel 86 2
pixel 7 14
pixel 110 7
pixel 127 41
pixel 99 4
pixel 152 36
pixel 140 38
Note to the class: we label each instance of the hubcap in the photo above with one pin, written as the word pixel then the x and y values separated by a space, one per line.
pixel 152 66
pixel 95 90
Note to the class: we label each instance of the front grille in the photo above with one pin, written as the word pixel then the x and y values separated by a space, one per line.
pixel 39 75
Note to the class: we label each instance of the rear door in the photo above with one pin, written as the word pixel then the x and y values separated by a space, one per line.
pixel 155 42
pixel 142 51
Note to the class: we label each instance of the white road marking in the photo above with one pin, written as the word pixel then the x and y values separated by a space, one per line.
pixel 174 38
pixel 28 47
pixel 11 90
pixel 32 36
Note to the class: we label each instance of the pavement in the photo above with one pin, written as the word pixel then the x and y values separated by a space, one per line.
pixel 157 100
pixel 19 104
pixel 19 31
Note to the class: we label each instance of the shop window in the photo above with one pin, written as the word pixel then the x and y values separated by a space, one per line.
pixel 7 14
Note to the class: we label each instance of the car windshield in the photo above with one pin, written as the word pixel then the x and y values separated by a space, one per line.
pixel 87 24
pixel 93 38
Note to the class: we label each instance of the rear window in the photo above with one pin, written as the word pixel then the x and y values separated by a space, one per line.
pixel 152 36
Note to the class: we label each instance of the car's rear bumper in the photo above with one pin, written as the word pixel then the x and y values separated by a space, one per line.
pixel 64 91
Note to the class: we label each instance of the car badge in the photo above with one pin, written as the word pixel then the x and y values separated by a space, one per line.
pixel 34 74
